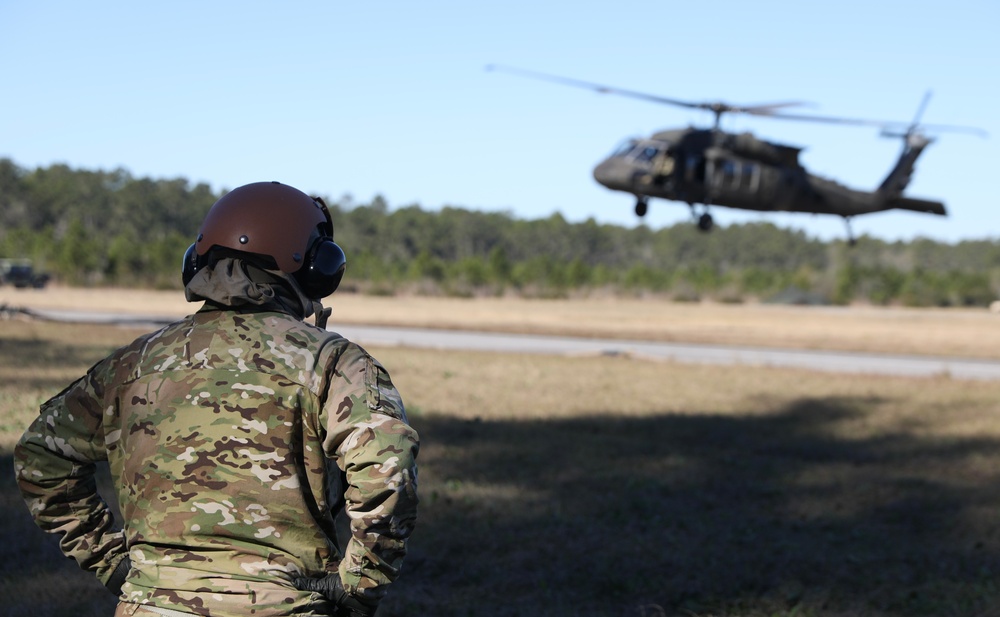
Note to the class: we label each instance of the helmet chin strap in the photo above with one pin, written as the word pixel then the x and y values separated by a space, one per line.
pixel 322 314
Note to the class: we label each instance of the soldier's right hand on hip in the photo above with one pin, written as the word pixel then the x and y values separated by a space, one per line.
pixel 332 589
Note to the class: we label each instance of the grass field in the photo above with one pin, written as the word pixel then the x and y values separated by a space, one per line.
pixel 614 487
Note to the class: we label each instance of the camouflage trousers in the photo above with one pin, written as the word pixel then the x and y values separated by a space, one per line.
pixel 128 609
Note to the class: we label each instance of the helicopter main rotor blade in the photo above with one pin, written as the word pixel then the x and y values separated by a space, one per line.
pixel 716 107
pixel 764 110
pixel 602 89
pixel 883 124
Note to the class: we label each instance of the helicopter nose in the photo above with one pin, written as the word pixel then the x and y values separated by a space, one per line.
pixel 612 174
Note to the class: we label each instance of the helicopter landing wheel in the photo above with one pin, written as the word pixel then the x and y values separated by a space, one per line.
pixel 641 207
pixel 705 222
pixel 851 241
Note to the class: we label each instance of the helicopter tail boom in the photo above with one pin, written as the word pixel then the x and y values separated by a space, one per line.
pixel 919 205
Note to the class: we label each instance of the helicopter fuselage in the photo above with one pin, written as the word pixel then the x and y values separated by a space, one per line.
pixel 712 167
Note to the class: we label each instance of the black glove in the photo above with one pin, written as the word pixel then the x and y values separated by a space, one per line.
pixel 332 589
pixel 117 579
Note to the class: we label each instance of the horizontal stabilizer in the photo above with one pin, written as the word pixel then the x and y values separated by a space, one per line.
pixel 919 205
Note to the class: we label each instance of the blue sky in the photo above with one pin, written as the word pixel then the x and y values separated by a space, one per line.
pixel 393 98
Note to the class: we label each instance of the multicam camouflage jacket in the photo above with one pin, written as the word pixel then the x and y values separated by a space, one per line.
pixel 233 438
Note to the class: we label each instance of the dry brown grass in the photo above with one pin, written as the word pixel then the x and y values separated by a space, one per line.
pixel 973 333
pixel 610 486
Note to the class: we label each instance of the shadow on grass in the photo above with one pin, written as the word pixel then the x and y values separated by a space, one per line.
pixel 665 515
pixel 36 580
pixel 48 358
pixel 682 515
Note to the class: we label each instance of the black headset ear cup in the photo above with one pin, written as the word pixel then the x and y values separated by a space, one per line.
pixel 323 269
pixel 191 264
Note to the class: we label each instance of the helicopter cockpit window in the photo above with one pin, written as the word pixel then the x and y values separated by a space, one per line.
pixel 646 153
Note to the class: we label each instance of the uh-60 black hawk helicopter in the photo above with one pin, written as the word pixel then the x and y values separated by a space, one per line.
pixel 714 168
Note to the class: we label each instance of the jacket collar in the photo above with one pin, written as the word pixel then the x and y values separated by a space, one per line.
pixel 233 283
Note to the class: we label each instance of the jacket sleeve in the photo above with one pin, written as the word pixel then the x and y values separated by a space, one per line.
pixel 54 466
pixel 368 436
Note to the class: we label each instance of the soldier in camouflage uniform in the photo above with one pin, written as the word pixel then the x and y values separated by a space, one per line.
pixel 234 437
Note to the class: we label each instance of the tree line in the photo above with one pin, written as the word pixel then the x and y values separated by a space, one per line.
pixel 109 228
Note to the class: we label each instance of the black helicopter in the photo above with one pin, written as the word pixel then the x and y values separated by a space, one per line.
pixel 714 168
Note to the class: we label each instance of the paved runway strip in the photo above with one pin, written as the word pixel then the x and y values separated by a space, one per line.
pixel 832 361
pixel 817 360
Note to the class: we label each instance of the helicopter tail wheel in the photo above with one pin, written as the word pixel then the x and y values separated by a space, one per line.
pixel 705 222
pixel 641 207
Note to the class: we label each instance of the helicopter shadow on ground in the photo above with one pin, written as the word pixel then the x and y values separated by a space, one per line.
pixel 697 515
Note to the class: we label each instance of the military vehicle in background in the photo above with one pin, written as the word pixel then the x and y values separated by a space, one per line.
pixel 21 274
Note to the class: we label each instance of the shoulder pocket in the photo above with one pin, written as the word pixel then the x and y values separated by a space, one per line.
pixel 382 395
